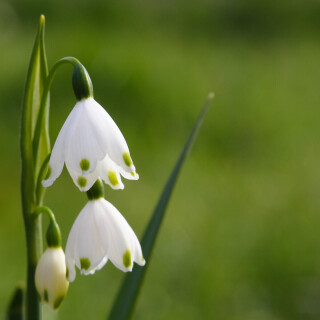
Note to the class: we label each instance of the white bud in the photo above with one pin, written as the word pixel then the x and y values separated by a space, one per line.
pixel 50 278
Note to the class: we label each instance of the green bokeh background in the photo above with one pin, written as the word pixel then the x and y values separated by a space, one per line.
pixel 241 236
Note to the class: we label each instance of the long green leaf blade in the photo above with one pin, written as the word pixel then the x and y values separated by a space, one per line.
pixel 36 78
pixel 128 293
pixel 43 149
pixel 30 109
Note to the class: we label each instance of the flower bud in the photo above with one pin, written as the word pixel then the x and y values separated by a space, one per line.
pixel 50 278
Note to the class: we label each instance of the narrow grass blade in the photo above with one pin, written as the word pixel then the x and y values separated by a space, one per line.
pixel 42 135
pixel 128 293
pixel 36 78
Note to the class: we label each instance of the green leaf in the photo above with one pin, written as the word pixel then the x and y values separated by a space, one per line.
pixel 128 293
pixel 43 148
pixel 35 83
pixel 36 78
pixel 15 309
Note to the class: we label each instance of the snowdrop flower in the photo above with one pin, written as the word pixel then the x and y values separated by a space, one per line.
pixel 50 278
pixel 100 233
pixel 90 143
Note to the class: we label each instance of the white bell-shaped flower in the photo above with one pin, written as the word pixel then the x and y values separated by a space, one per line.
pixel 92 146
pixel 50 277
pixel 100 233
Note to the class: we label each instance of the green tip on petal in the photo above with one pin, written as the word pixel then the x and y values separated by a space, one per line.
pixel 45 295
pixel 82 181
pixel 127 159
pixel 67 273
pixel 57 302
pixel 85 263
pixel 127 259
pixel 113 178
pixel 84 164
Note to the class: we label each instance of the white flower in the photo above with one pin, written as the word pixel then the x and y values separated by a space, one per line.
pixel 50 277
pixel 92 146
pixel 100 233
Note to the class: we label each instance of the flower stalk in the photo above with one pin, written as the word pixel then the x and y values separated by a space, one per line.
pixel 93 149
pixel 35 152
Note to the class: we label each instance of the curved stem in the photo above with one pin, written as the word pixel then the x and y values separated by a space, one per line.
pixel 46 210
pixel 44 99
pixel 53 234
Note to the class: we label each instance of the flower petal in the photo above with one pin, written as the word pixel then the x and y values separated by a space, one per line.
pixel 121 243
pixel 83 247
pixel 83 182
pixel 57 157
pixel 83 145
pixel 117 146
pixel 89 243
pixel 72 252
pixel 110 173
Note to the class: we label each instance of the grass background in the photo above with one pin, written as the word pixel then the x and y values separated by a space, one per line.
pixel 240 239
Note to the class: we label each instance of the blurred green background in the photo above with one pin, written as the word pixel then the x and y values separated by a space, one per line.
pixel 241 236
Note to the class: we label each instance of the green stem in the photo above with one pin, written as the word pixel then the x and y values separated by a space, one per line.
pixel 34 250
pixel 46 210
pixel 33 239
